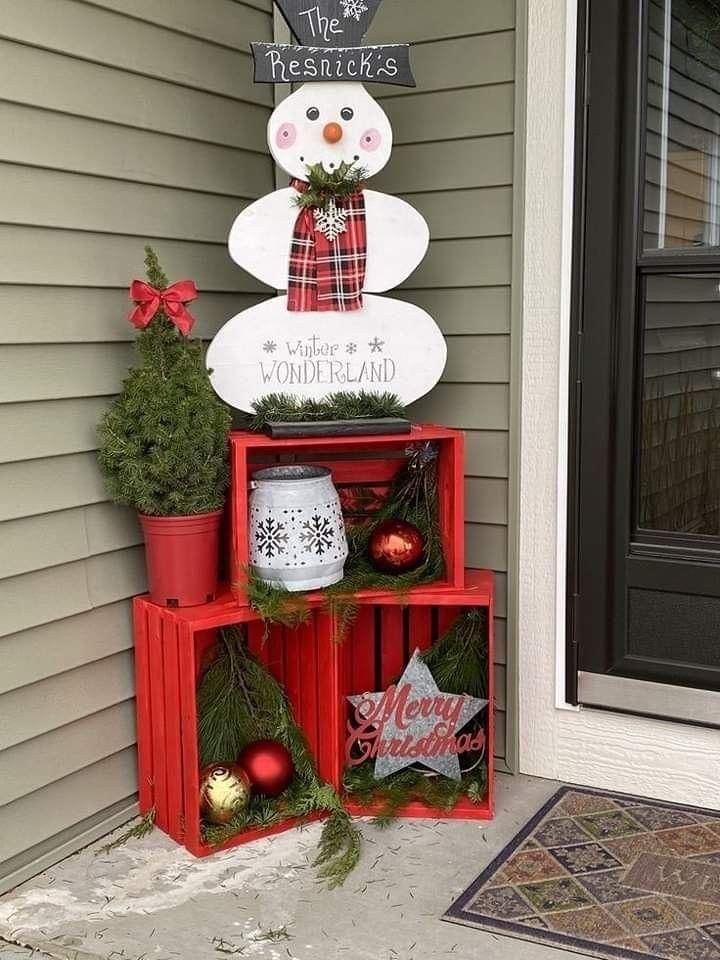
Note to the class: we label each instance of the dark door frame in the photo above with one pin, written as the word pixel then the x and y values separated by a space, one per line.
pixel 605 139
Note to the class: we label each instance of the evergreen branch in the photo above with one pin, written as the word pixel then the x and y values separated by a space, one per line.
pixel 286 408
pixel 276 604
pixel 339 850
pixel 458 661
pixel 239 702
pixel 337 185
pixel 141 829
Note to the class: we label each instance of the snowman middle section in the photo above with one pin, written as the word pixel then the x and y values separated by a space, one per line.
pixel 377 344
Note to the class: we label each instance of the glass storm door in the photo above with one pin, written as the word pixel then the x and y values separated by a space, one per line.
pixel 644 531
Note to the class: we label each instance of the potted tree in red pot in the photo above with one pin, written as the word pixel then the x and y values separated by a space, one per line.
pixel 164 445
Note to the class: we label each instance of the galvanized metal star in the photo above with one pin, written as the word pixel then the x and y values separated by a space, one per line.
pixel 422 687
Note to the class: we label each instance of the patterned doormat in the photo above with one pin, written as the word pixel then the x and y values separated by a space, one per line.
pixel 606 875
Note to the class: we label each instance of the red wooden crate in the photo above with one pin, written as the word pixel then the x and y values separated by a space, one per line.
pixel 317 671
pixel 366 464
pixel 171 650
pixel 379 646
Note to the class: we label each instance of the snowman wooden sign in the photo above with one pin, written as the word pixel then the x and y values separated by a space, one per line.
pixel 327 242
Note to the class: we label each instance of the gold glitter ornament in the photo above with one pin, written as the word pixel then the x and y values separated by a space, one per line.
pixel 224 792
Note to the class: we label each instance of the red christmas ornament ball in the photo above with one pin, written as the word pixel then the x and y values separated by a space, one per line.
pixel 269 766
pixel 396 547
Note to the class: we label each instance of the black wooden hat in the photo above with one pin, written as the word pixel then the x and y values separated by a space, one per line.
pixel 330 46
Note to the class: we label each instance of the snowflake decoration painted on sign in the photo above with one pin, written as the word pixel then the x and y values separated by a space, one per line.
pixel 332 221
pixel 354 8
pixel 317 534
pixel 269 346
pixel 272 538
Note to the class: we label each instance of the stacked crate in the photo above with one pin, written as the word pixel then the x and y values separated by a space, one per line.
pixel 318 669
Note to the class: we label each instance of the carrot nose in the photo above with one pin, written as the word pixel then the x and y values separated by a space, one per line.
pixel 333 132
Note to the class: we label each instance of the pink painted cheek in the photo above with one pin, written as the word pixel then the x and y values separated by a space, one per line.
pixel 371 140
pixel 286 136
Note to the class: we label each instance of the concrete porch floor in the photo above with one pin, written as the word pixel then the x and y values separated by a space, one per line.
pixel 149 899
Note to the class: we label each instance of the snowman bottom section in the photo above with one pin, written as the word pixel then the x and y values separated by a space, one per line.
pixel 387 346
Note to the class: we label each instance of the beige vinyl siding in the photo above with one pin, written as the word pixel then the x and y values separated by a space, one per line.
pixel 125 122
pixel 453 160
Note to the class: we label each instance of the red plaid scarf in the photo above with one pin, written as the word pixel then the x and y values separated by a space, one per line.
pixel 328 274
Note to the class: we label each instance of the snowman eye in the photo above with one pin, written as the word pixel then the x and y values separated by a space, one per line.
pixel 313 113
pixel 347 114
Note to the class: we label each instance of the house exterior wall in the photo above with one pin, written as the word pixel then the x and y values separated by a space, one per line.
pixel 613 751
pixel 123 122
pixel 133 122
pixel 454 160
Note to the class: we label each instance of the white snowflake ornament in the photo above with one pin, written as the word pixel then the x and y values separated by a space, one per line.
pixel 354 8
pixel 332 221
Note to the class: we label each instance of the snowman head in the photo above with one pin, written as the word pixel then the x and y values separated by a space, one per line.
pixel 330 123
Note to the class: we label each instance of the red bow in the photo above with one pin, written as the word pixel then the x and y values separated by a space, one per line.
pixel 172 301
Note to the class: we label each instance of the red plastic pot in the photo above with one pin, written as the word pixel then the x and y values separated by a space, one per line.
pixel 183 558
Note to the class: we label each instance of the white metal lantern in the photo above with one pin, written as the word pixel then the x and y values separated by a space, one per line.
pixel 297 531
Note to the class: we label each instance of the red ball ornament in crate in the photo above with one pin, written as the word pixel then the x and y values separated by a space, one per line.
pixel 269 767
pixel 396 547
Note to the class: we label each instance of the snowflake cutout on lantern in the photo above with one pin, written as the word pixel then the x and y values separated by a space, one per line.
pixel 271 538
pixel 354 8
pixel 332 221
pixel 317 534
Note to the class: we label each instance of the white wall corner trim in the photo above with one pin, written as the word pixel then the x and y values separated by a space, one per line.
pixel 613 751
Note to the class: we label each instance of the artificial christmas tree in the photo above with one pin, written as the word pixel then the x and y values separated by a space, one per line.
pixel 164 444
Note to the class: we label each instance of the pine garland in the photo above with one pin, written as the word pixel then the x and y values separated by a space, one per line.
pixel 240 702
pixel 164 441
pixel 324 187
pixel 286 408
pixel 410 786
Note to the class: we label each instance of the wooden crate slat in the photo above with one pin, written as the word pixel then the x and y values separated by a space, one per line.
pixel 157 711
pixel 392 657
pixel 146 788
pixel 173 731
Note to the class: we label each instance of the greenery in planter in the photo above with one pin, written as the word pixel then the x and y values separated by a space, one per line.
pixel 164 441
pixel 286 408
